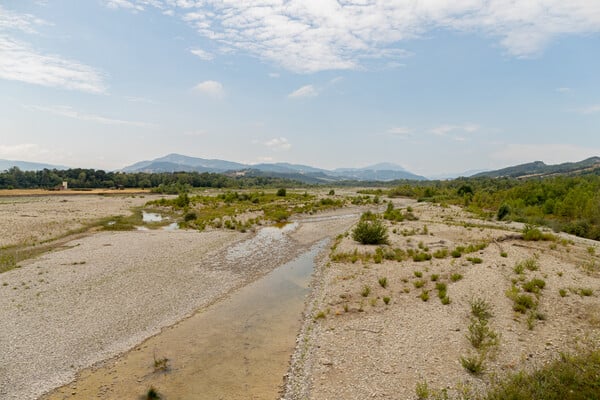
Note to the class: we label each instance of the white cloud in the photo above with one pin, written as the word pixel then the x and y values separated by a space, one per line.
pixel 593 109
pixel 19 62
pixel 69 112
pixel 204 55
pixel 400 131
pixel 310 36
pixel 511 154
pixel 264 159
pixel 135 99
pixel 130 5
pixel 274 75
pixel 211 88
pixel 304 91
pixel 563 90
pixel 278 144
pixel 444 130
pixel 17 150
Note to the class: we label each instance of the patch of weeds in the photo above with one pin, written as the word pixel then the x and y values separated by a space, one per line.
pixel 366 290
pixel 480 335
pixel 503 254
pixel 424 295
pixel 523 302
pixel 456 253
pixel 422 390
pixel 441 253
pixel 534 285
pixel 435 277
pixel 320 315
pixel 455 277
pixel 473 364
pixel 383 282
pixel 519 268
pixel 475 260
pixel 481 309
pixel 445 300
pixel 586 292
pixel 421 256
pixel 569 377
pixel 419 283
pixel 386 300
pixel 418 274
pixel 442 289
pixel 562 292
pixel 152 394
pixel 161 364
pixel 532 233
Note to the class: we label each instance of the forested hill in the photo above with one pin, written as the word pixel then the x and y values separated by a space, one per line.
pixel 540 169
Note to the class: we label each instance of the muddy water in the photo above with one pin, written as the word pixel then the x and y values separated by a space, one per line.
pixel 238 348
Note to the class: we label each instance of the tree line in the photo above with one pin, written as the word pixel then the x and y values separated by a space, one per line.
pixel 79 178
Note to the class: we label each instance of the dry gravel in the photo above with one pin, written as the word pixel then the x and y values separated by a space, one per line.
pixel 100 295
pixel 382 352
pixel 32 219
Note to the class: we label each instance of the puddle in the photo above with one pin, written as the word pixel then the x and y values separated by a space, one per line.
pixel 171 227
pixel 238 348
pixel 151 217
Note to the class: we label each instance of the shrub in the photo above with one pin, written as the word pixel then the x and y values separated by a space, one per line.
pixel 190 216
pixel 481 309
pixel 456 277
pixel 281 192
pixel 418 274
pixel 386 300
pixel 383 282
pixel 422 390
pixel 419 284
pixel 503 212
pixel 421 256
pixel 534 285
pixel 530 232
pixel 562 292
pixel 332 192
pixel 152 394
pixel 366 290
pixel 503 254
pixel 472 364
pixel 370 232
pixel 434 277
pixel 475 260
pixel 586 292
pixel 441 253
pixel 424 295
pixel 480 335
pixel 523 302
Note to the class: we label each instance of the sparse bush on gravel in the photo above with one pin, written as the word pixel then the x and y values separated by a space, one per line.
pixel 370 232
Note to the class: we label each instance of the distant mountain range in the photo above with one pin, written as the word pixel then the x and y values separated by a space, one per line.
pixel 308 174
pixel 178 162
pixel 541 169
pixel 27 166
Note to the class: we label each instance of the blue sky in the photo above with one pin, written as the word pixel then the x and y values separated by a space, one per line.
pixel 435 86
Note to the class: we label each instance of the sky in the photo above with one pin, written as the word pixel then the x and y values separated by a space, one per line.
pixel 435 86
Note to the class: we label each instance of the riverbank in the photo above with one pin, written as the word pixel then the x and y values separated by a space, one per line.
pixel 382 328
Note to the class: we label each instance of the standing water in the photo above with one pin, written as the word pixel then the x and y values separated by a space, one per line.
pixel 238 348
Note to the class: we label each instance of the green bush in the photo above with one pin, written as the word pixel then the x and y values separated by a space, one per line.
pixel 370 232
pixel 503 212
pixel 281 192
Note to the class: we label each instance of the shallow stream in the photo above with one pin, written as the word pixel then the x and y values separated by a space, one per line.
pixel 238 348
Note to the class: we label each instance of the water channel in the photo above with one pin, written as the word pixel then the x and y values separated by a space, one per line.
pixel 238 348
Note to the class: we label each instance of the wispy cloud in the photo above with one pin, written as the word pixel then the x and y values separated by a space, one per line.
pixel 563 89
pixel 444 130
pixel 70 112
pixel 204 55
pixel 400 131
pixel 135 99
pixel 20 62
pixel 304 91
pixel 593 109
pixel 18 150
pixel 210 88
pixel 278 144
pixel 310 36
pixel 130 5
